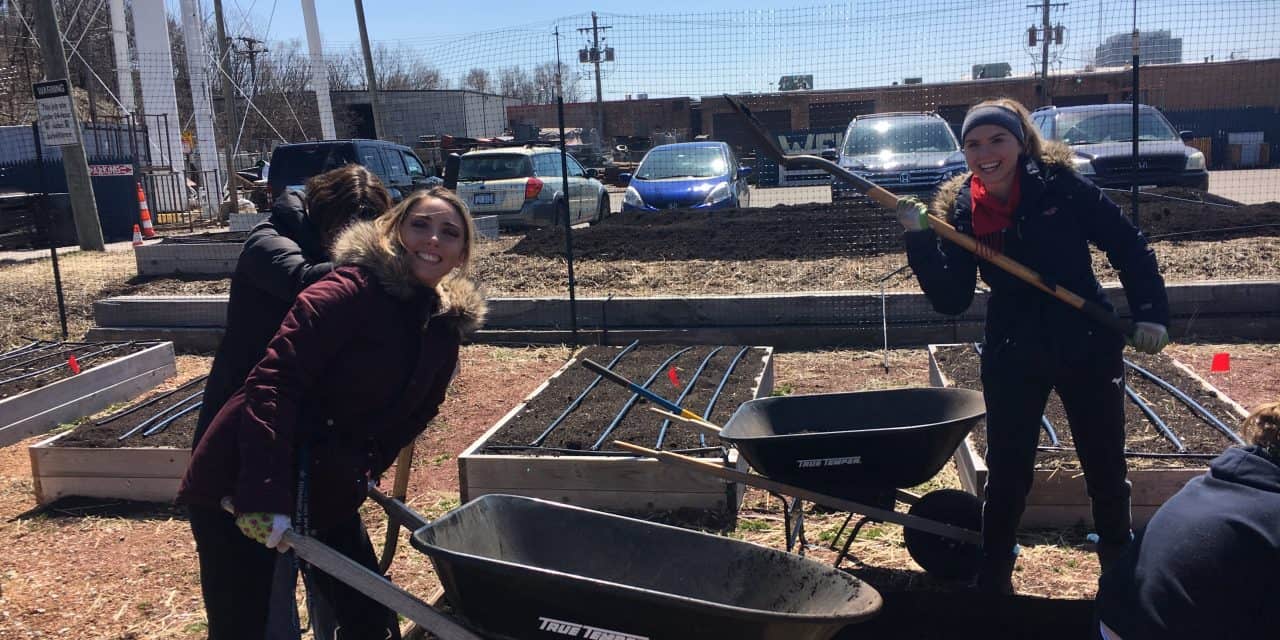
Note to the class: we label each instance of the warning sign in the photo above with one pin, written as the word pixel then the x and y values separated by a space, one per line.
pixel 56 112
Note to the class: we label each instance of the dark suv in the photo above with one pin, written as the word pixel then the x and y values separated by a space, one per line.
pixel 1101 135
pixel 906 153
pixel 397 165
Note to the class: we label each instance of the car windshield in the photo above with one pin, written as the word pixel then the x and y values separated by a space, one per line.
pixel 1090 127
pixel 899 135
pixel 684 162
pixel 494 167
pixel 293 165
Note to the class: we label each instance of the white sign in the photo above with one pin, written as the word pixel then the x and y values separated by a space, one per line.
pixel 110 170
pixel 57 114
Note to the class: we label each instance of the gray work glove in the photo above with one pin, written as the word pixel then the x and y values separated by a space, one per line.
pixel 1149 337
pixel 912 214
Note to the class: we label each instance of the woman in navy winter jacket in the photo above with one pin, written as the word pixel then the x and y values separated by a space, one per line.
pixel 1023 198
pixel 355 372
pixel 1208 563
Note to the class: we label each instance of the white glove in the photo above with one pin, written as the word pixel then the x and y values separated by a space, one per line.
pixel 1149 337
pixel 912 214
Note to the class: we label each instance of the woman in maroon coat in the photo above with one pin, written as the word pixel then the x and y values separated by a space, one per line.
pixel 358 368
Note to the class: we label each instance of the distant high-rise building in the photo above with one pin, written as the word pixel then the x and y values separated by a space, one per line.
pixel 1154 47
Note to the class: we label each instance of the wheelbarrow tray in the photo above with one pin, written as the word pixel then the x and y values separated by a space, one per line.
pixel 517 567
pixel 844 444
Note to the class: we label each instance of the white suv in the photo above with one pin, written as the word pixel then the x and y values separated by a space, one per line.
pixel 524 187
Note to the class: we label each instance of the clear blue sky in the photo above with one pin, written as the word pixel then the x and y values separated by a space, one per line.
pixel 665 47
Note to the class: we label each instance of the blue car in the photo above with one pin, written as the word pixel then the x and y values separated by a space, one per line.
pixel 688 175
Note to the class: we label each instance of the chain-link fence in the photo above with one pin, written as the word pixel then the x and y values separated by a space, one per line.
pixel 879 87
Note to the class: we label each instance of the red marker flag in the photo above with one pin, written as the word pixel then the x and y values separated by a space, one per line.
pixel 1221 362
pixel 75 366
pixel 671 373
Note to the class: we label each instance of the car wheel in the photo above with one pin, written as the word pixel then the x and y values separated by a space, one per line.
pixel 562 213
pixel 602 210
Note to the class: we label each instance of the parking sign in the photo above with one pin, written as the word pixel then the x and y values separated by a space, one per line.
pixel 57 115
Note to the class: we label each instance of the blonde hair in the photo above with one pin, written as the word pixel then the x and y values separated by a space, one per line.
pixel 1262 428
pixel 388 224
pixel 1032 143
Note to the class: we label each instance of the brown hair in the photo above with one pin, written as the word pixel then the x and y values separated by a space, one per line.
pixel 1262 428
pixel 388 224
pixel 1032 143
pixel 337 198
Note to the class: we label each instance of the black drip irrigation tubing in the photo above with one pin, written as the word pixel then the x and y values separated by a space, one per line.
pixel 164 424
pixel 1044 420
pixel 150 401
pixel 537 442
pixel 160 415
pixel 1187 400
pixel 588 452
pixel 69 345
pixel 688 386
pixel 1154 419
pixel 1138 454
pixel 63 364
pixel 626 408
pixel 711 404
pixel 37 345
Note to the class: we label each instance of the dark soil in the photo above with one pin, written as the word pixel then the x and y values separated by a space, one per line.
pixel 961 365
pixel 782 232
pixel 106 436
pixel 582 427
pixel 849 229
pixel 236 237
pixel 50 364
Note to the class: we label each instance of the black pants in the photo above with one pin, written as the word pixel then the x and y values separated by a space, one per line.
pixel 236 579
pixel 1016 380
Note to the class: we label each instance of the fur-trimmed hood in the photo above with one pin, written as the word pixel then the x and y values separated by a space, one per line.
pixel 457 297
pixel 1054 157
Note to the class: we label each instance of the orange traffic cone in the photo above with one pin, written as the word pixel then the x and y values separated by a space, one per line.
pixel 137 236
pixel 148 231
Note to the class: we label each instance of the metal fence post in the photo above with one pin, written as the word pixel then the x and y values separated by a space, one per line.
pixel 52 232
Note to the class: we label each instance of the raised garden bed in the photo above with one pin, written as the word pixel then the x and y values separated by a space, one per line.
pixel 200 254
pixel 39 388
pixel 92 461
pixel 1157 468
pixel 576 463
pixel 244 222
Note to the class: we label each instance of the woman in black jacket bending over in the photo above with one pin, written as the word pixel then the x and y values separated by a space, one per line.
pixel 283 256
pixel 1024 199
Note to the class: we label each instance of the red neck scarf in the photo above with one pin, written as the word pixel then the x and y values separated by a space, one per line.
pixel 991 216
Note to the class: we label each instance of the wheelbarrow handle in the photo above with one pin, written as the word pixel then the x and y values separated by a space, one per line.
pixel 617 378
pixel 376 587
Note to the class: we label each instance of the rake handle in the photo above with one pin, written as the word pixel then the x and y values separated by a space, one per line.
pixel 617 378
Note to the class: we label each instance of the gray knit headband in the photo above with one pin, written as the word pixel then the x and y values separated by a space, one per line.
pixel 996 115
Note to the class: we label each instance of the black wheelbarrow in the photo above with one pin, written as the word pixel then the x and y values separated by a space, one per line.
pixel 517 567
pixel 856 452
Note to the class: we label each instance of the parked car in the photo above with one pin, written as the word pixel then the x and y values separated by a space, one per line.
pixel 396 165
pixel 1101 135
pixel 908 153
pixel 523 186
pixel 687 175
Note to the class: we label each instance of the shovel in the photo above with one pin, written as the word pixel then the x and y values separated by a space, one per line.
pixel 769 146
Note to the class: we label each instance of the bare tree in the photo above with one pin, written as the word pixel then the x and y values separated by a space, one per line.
pixel 514 82
pixel 478 79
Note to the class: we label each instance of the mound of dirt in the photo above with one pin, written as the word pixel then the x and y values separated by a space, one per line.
pixel 800 232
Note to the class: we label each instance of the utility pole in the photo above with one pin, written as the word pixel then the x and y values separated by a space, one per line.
pixel 371 79
pixel 252 50
pixel 229 108
pixel 79 187
pixel 594 55
pixel 1049 35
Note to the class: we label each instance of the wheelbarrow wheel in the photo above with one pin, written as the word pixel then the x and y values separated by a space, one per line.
pixel 946 557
